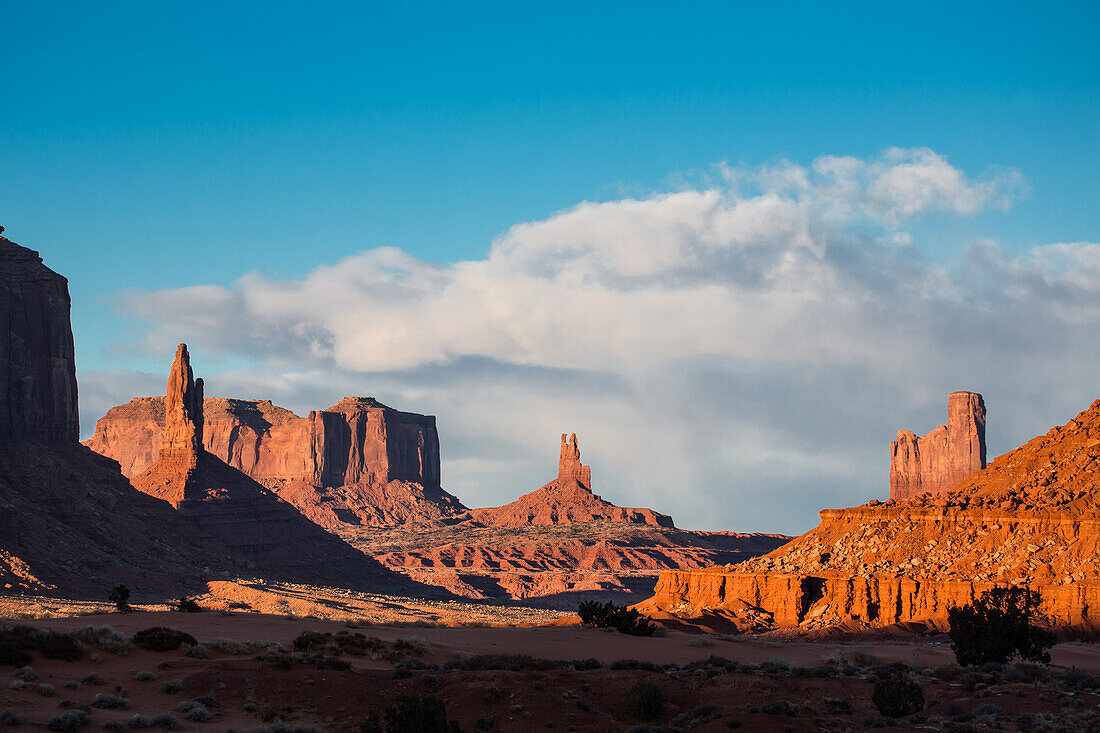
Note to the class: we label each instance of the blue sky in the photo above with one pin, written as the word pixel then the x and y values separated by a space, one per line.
pixel 155 146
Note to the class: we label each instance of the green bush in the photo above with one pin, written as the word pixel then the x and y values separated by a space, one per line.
pixel 419 714
pixel 624 619
pixel 162 639
pixel 646 699
pixel 120 595
pixel 997 626
pixel 47 643
pixel 896 695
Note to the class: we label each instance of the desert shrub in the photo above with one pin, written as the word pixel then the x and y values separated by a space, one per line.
pixel 145 676
pixel 230 646
pixel 198 712
pixel 645 699
pixel 10 717
pixel 197 651
pixel 637 664
pixel 138 721
pixel 896 695
pixel 161 639
pixel 26 673
pixel 120 596
pixel 172 686
pixel 110 702
pixel 418 714
pixel 116 725
pixel 623 619
pixel 47 643
pixel 45 690
pixel 997 626
pixel 105 638
pixel 17 685
pixel 508 662
pixel 355 644
pixel 188 605
pixel 781 707
pixel 72 685
pixel 166 721
pixel 278 726
pixel 14 656
pixel 837 705
pixel 69 721
pixel 851 658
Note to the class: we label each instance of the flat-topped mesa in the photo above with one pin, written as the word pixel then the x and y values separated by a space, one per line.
pixel 183 421
pixel 37 360
pixel 938 461
pixel 569 463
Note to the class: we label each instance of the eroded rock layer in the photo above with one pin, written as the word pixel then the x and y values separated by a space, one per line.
pixel 1031 517
pixel 358 462
pixel 938 461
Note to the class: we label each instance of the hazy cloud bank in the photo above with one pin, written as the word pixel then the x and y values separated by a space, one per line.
pixel 737 354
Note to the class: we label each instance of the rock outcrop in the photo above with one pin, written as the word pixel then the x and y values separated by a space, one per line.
pixel 70 523
pixel 568 499
pixel 1031 517
pixel 38 397
pixel 941 459
pixel 225 503
pixel 359 462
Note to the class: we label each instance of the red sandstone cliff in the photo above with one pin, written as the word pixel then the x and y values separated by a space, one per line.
pixel 37 361
pixel 358 462
pixel 568 499
pixel 1031 517
pixel 941 459
pixel 224 503
pixel 70 523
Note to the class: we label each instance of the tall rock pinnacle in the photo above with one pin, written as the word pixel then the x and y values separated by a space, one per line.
pixel 941 459
pixel 182 411
pixel 37 361
pixel 569 463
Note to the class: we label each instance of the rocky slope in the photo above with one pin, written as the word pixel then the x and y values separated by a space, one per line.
pixel 936 462
pixel 358 462
pixel 250 520
pixel 69 521
pixel 1031 517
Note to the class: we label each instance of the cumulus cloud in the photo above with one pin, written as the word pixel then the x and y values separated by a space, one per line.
pixel 746 344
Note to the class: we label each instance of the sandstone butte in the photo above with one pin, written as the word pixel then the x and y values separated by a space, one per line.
pixel 568 499
pixel 356 463
pixel 69 521
pixel 938 461
pixel 240 513
pixel 1032 517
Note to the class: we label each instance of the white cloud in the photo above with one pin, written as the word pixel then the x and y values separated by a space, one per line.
pixel 751 342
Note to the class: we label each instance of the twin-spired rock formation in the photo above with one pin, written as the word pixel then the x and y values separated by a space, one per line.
pixel 37 361
pixel 1031 517
pixel 358 462
pixel 938 461
pixel 244 516
pixel 568 499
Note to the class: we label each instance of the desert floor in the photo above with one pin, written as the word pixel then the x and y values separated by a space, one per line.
pixel 756 685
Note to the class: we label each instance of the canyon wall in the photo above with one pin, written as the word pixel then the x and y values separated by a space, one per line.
pixel 938 461
pixel 38 397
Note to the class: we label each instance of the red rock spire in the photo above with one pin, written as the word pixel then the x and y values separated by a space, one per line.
pixel 941 459
pixel 569 464
pixel 182 410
